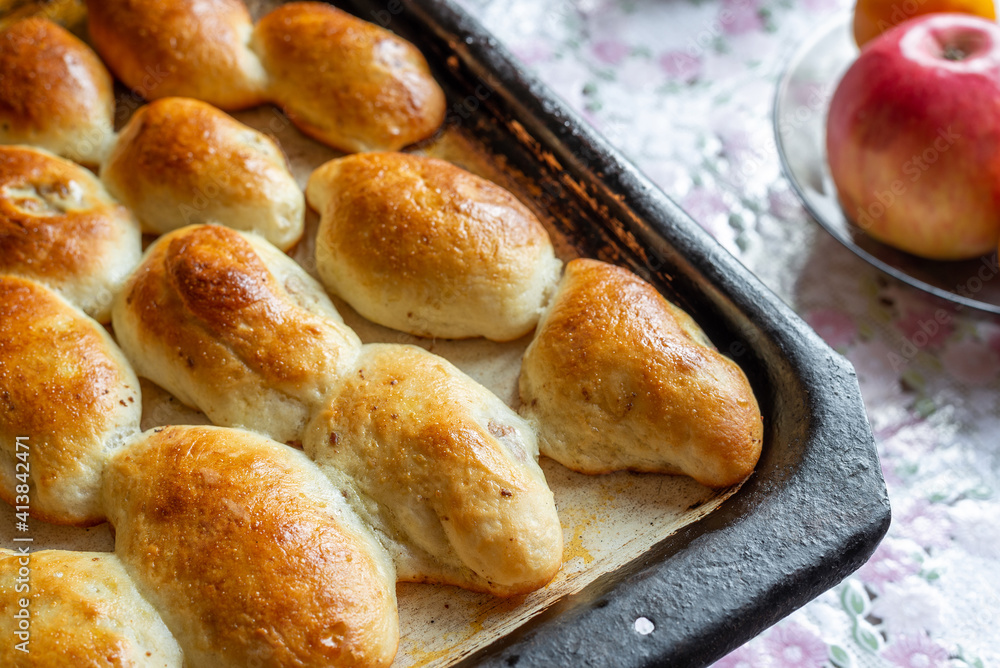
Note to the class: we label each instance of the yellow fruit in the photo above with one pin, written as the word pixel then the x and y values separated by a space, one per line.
pixel 873 17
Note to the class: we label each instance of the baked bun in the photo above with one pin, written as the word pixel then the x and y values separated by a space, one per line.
pixel 422 246
pixel 447 473
pixel 188 48
pixel 231 325
pixel 59 225
pixel 249 554
pixel 54 92
pixel 180 161
pixel 619 378
pixel 347 82
pixel 84 611
pixel 67 398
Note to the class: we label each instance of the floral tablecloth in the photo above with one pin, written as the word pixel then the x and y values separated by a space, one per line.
pixel 684 88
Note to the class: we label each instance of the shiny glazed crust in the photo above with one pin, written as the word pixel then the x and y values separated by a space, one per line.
pixel 445 470
pixel 59 225
pixel 54 92
pixel 179 161
pixel 346 82
pixel 619 378
pixel 420 245
pixel 66 389
pixel 85 612
pixel 186 48
pixel 249 553
pixel 253 554
pixel 228 324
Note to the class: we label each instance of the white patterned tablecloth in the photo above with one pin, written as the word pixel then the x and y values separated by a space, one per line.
pixel 684 88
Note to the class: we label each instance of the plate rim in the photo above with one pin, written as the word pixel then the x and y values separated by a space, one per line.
pixel 803 49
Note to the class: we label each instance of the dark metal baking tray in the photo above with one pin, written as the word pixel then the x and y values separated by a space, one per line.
pixel 815 508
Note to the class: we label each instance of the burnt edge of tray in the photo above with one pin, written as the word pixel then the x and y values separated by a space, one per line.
pixel 815 508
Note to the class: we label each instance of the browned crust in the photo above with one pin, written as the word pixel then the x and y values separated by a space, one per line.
pixel 411 431
pixel 347 82
pixel 222 531
pixel 191 48
pixel 204 292
pixel 403 219
pixel 55 375
pixel 71 625
pixel 613 344
pixel 71 634
pixel 47 242
pixel 76 87
pixel 58 385
pixel 191 148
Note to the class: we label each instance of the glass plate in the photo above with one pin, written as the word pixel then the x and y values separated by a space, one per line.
pixel 800 107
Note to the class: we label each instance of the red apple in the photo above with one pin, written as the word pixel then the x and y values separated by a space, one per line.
pixel 913 137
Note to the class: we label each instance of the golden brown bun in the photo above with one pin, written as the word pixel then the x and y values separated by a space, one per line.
pixel 422 246
pixel 54 92
pixel 231 325
pixel 445 470
pixel 180 161
pixel 347 82
pixel 249 554
pixel 619 378
pixel 66 387
pixel 58 225
pixel 187 48
pixel 84 612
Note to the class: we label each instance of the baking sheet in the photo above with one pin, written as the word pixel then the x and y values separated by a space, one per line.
pixel 608 520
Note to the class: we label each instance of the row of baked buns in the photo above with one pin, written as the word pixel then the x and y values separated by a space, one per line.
pixel 616 377
pixel 437 479
pixel 438 468
pixel 443 470
pixel 247 549
pixel 412 243
pixel 232 548
pixel 177 161
pixel 343 81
